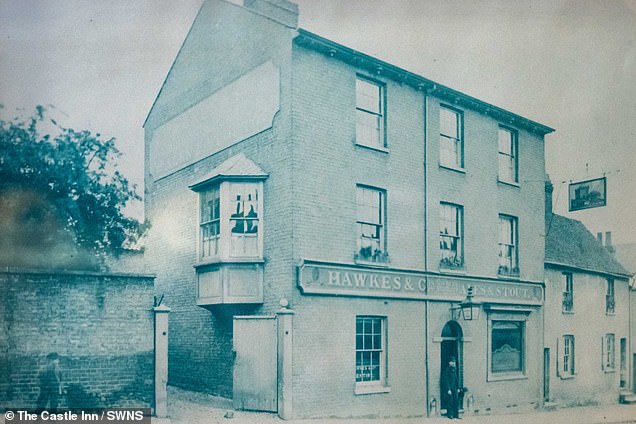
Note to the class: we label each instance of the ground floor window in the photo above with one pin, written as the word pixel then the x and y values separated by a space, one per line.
pixel 370 350
pixel 567 367
pixel 507 346
pixel 608 352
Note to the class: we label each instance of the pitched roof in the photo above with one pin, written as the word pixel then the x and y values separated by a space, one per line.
pixel 568 243
pixel 236 167
pixel 315 42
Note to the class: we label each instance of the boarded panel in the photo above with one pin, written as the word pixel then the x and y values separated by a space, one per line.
pixel 255 373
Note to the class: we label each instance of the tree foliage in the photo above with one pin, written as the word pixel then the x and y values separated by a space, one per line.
pixel 62 191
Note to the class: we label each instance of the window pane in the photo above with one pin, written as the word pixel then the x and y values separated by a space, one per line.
pixel 369 129
pixel 507 346
pixel 368 96
pixel 448 125
pixel 369 352
pixel 505 141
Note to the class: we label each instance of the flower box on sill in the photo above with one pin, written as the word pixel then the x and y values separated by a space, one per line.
pixel 367 254
pixel 505 271
pixel 452 263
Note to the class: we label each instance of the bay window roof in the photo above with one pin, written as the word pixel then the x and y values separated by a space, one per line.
pixel 236 168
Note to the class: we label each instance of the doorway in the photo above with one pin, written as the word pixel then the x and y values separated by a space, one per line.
pixel 546 374
pixel 451 347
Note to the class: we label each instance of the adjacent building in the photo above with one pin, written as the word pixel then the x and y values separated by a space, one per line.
pixel 586 353
pixel 319 216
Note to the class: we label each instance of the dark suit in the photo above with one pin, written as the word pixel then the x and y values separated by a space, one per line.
pixel 450 384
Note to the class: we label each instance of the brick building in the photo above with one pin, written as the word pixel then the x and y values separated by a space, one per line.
pixel 586 353
pixel 283 168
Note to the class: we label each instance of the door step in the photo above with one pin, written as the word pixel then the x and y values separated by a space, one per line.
pixel 550 406
pixel 627 398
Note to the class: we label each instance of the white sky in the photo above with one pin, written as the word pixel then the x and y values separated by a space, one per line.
pixel 570 64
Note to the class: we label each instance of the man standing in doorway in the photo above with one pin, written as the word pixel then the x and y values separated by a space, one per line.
pixel 450 386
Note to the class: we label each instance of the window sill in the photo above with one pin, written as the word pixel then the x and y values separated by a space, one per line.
pixel 610 370
pixel 371 264
pixel 567 377
pixel 507 377
pixel 610 314
pixel 376 148
pixel 568 312
pixel 457 271
pixel 364 389
pixel 453 168
pixel 218 261
pixel 509 276
pixel 508 183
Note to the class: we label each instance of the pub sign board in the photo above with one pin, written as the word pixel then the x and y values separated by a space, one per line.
pixel 587 194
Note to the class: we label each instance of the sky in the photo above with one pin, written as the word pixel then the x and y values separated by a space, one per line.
pixel 569 64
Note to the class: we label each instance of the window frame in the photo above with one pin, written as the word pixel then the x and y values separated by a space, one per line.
pixel 380 114
pixel 224 250
pixel 381 227
pixel 567 366
pixel 609 352
pixel 610 297
pixel 512 267
pixel 508 374
pixel 203 225
pixel 511 158
pixel 458 212
pixel 379 385
pixel 567 303
pixel 458 139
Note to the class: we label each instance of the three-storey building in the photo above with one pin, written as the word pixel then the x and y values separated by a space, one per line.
pixel 284 169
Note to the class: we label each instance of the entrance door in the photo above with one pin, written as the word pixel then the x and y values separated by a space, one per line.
pixel 255 363
pixel 546 374
pixel 451 347
pixel 623 364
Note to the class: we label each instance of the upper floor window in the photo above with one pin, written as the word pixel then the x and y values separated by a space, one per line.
pixel 610 301
pixel 210 223
pixel 450 236
pixel 244 220
pixel 567 367
pixel 568 292
pixel 508 246
pixel 508 156
pixel 450 141
pixel 229 221
pixel 370 113
pixel 371 215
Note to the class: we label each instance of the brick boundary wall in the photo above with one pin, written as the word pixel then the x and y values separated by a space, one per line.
pixel 101 325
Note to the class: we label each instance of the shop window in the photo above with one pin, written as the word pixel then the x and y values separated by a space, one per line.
pixel 451 146
pixel 566 367
pixel 450 233
pixel 370 351
pixel 371 224
pixel 610 301
pixel 210 223
pixel 568 293
pixel 508 246
pixel 507 347
pixel 508 157
pixel 370 113
pixel 608 352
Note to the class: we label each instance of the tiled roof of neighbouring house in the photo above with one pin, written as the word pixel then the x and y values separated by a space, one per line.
pixel 569 243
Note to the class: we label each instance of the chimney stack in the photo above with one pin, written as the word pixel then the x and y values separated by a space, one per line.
pixel 281 11
pixel 549 188
pixel 608 241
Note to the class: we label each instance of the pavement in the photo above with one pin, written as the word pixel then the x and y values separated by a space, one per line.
pixel 186 407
